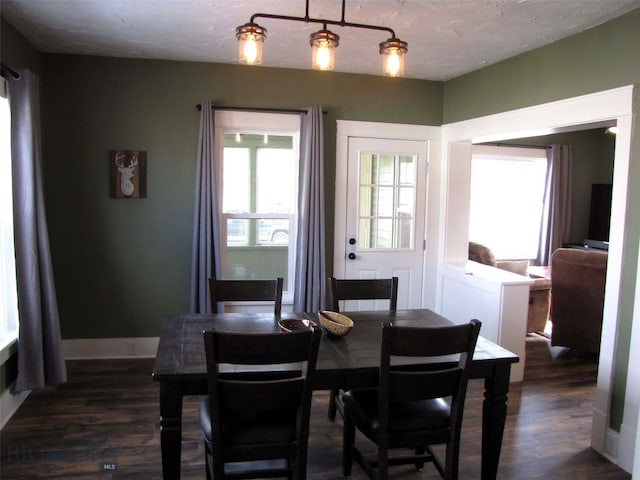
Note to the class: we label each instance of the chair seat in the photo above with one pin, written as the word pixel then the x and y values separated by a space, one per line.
pixel 404 417
pixel 251 429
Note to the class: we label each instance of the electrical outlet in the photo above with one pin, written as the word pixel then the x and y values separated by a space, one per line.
pixel 131 347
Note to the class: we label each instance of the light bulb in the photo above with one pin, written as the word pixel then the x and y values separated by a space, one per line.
pixel 250 50
pixel 324 44
pixel 323 57
pixel 250 40
pixel 393 52
pixel 393 63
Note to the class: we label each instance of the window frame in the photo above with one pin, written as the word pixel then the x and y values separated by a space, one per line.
pixel 262 123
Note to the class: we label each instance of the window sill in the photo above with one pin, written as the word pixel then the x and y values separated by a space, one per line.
pixel 8 345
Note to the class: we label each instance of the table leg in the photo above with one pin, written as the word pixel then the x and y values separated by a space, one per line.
pixel 494 414
pixel 170 429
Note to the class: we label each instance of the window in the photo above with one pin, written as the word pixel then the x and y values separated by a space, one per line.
pixel 387 192
pixel 259 191
pixel 507 196
pixel 8 289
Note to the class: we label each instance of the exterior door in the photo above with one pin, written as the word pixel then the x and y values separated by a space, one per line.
pixel 384 228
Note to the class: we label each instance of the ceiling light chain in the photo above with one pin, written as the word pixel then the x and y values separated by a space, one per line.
pixel 251 37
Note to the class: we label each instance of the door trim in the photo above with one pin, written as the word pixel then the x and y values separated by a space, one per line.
pixel 392 131
pixel 569 115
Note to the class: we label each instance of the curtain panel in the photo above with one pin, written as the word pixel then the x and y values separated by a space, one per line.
pixel 205 256
pixel 556 218
pixel 40 357
pixel 310 278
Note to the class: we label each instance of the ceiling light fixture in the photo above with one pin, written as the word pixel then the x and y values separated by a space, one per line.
pixel 251 37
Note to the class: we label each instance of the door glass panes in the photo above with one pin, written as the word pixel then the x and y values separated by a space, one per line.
pixel 259 204
pixel 386 201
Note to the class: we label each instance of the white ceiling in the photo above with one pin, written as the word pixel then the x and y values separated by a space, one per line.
pixel 447 38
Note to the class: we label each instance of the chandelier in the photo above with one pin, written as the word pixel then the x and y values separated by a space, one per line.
pixel 324 42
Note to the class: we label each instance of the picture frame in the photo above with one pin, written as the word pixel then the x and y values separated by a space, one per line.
pixel 128 173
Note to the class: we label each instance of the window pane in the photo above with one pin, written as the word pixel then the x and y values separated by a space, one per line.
pixel 235 171
pixel 387 201
pixel 257 248
pixel 276 181
pixel 386 169
pixel 8 288
pixel 407 170
pixel 507 203
pixel 237 231
pixel 259 190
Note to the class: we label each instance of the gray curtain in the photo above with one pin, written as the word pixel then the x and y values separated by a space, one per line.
pixel 40 358
pixel 205 257
pixel 310 254
pixel 556 219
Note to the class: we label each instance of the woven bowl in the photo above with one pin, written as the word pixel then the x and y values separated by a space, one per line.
pixel 335 323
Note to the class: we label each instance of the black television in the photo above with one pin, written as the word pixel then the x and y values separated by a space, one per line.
pixel 600 212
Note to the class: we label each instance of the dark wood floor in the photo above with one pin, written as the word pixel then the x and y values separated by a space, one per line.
pixel 107 414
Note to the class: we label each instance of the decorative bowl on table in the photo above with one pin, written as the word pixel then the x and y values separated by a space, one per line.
pixel 335 323
pixel 295 324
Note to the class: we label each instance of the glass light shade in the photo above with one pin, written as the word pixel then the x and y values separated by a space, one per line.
pixel 393 52
pixel 250 40
pixel 324 45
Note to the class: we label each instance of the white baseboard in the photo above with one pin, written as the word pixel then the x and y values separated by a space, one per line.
pixel 626 447
pixel 104 348
pixel 9 404
pixel 611 445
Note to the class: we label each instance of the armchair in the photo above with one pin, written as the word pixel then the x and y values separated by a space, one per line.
pixel 539 292
pixel 577 298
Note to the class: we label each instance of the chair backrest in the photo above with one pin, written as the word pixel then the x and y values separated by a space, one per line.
pixel 258 377
pixel 364 289
pixel 410 379
pixel 246 291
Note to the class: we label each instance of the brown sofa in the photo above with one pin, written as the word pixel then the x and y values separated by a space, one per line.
pixel 539 292
pixel 577 298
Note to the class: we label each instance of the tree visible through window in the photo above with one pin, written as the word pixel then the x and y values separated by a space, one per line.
pixel 507 195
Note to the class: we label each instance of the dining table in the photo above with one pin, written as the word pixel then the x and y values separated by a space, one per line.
pixel 344 362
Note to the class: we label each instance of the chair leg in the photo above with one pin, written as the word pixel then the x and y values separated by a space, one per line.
pixel 419 451
pixel 348 440
pixel 383 463
pixel 451 460
pixel 206 462
pixel 332 404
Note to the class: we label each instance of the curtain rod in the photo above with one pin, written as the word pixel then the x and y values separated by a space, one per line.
pixel 6 69
pixel 515 145
pixel 256 109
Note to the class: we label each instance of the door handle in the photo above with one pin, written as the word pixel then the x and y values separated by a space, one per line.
pixel 352 256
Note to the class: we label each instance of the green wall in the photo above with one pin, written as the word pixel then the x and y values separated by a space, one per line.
pixel 593 152
pixel 122 264
pixel 598 59
pixel 605 57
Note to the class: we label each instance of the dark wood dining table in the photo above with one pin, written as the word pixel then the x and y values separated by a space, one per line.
pixel 343 362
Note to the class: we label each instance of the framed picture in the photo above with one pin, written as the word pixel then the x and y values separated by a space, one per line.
pixel 128 173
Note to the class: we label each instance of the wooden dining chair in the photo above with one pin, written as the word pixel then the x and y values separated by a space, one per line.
pixel 363 289
pixel 416 404
pixel 246 291
pixel 256 414
pixel 359 289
